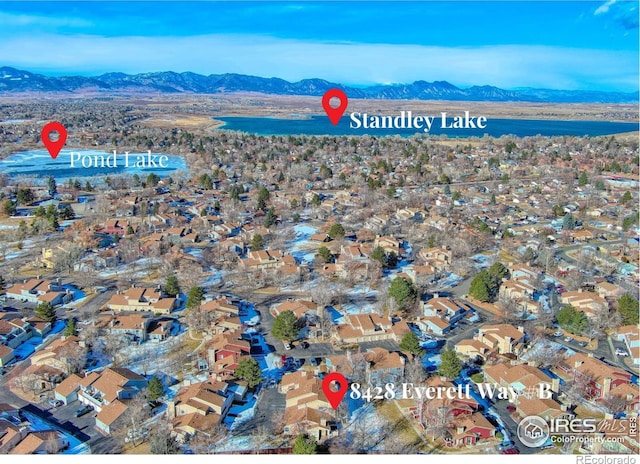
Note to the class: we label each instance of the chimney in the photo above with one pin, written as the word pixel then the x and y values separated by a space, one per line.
pixel 555 385
pixel 563 407
pixel 460 429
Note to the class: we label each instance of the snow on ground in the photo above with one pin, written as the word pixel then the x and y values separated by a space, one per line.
pixel 299 247
pixel 545 344
pixel 214 278
pixel 451 280
pixel 196 252
pixel 38 424
pixel 77 293
pixel 241 412
pixel 481 261
pixel 137 269
pixel 336 316
pixel 375 426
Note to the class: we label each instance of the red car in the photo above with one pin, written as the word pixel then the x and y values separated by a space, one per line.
pixel 510 451
pixel 511 408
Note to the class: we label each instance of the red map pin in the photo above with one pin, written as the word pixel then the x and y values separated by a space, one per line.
pixel 53 147
pixel 334 113
pixel 334 397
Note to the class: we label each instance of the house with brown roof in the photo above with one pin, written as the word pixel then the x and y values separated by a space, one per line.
pixel 111 416
pixel 222 307
pixel 6 355
pixel 547 408
pixel 315 423
pixel 369 327
pixel 446 308
pixel 602 379
pixel 630 335
pixel 42 442
pixel 10 436
pixel 224 352
pixel 389 244
pixel 13 330
pixel 383 366
pixel 38 291
pixel 67 390
pixel 525 380
pixel 589 303
pixel 132 326
pixel 114 383
pixel 61 354
pixel 492 338
pixel 301 308
pixel 469 430
pixel 210 398
pixel 142 299
pixel 437 257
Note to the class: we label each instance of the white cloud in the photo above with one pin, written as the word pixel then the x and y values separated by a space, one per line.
pixel 604 8
pixel 10 20
pixel 505 66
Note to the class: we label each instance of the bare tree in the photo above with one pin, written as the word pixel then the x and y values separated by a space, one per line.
pixel 414 372
pixel 74 357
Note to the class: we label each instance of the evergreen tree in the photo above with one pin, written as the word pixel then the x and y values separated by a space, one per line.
pixel 583 179
pixel 155 389
pixel 195 297
pixel 628 309
pixel 479 289
pixel 45 311
pixel 324 254
pixel 568 222
pixel 9 208
pixel 304 445
pixel 70 329
pixel 336 231
pixel 257 242
pixel 378 254
pixel 171 286
pixel 270 217
pixel 403 292
pixel 626 198
pixel 285 326
pixel 411 344
pixel 450 364
pixel 249 370
pixel 52 187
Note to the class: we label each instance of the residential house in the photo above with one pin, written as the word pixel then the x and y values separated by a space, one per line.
pixel 446 308
pixel 301 308
pixel 209 399
pixel 588 302
pixel 6 355
pixel 527 381
pixel 315 423
pixel 41 442
pixel 111 416
pixel 64 354
pixel 142 299
pixel 630 335
pixel 389 244
pixel 13 330
pixel 433 325
pixel 547 408
pixel 469 430
pixel 502 339
pixel 601 378
pixel 134 327
pixel 224 352
pixel 114 383
pixel 384 367
pixel 67 390
pixel 10 436
pixel 38 291
pixel 437 257
pixel 369 327
pixel 519 290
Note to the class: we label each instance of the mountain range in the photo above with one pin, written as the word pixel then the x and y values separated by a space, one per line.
pixel 15 80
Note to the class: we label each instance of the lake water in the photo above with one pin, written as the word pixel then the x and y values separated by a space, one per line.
pixel 38 163
pixel 320 125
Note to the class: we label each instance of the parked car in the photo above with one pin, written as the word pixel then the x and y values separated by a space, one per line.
pixel 557 334
pixel 512 450
pixel 84 410
pixel 305 345
pixel 287 346
pixel 568 339
pixel 621 352
pixel 55 403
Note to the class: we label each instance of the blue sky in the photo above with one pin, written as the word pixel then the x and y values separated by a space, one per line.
pixel 564 45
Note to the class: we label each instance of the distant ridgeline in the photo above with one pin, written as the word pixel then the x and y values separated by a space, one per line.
pixel 14 80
